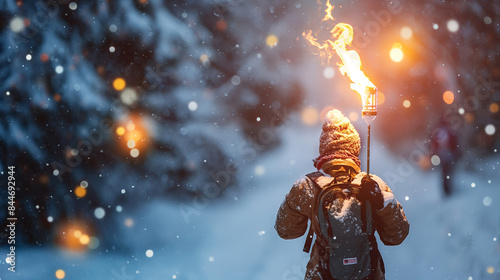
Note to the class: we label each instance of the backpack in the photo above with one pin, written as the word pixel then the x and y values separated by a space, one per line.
pixel 343 225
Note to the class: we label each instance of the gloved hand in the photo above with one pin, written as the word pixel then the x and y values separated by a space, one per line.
pixel 371 191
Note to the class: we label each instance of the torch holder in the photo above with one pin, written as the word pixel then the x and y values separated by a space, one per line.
pixel 369 114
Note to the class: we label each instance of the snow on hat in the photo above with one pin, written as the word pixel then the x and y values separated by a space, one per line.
pixel 339 140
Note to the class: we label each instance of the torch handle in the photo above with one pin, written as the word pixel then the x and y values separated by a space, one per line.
pixel 368 154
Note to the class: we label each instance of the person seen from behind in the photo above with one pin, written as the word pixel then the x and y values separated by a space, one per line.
pixel 345 245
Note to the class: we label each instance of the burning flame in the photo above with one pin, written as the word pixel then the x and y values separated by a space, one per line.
pixel 350 63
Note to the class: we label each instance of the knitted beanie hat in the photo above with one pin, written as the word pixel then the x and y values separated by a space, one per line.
pixel 339 140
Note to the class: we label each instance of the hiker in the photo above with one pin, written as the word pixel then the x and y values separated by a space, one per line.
pixel 338 164
pixel 444 145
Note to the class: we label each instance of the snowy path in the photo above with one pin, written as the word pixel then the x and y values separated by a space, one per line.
pixel 456 238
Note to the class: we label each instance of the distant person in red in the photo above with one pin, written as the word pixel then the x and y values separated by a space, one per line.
pixel 444 145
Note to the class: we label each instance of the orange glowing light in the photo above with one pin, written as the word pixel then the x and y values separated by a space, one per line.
pixel 120 131
pixel 80 192
pixel 407 103
pixel 272 41
pixel 396 53
pixel 350 62
pixel 84 239
pixel 494 108
pixel 60 274
pixel 74 235
pixel 130 126
pixel 44 57
pixel 133 134
pixel 469 117
pixel 221 25
pixel 381 98
pixel 309 116
pixel 119 84
pixel 448 97
pixel 353 116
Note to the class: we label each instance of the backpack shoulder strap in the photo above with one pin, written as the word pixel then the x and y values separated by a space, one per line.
pixel 322 183
pixel 313 176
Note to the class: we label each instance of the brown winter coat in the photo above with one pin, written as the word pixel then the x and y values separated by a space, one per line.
pixel 294 213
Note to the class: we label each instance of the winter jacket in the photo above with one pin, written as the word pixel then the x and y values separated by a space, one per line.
pixel 295 211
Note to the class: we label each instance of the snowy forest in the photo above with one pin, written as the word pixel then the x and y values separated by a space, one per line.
pixel 156 139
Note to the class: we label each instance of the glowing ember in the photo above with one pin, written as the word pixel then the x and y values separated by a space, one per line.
pixel 350 63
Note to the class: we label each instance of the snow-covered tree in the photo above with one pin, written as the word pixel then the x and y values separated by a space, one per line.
pixel 106 104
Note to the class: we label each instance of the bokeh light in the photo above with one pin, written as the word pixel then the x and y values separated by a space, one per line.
pixel 309 116
pixel 131 144
pixel 134 153
pixel 120 131
pixel 396 53
pixel 99 212
pixel 129 96
pixel 74 235
pixel 60 274
pixel 452 26
pixel 353 116
pixel 406 32
pixel 435 160
pixel 380 98
pixel 84 239
pixel 205 61
pixel 469 117
pixel 129 222
pixel 119 84
pixel 490 129
pixel 448 97
pixel 17 24
pixel 44 57
pixel 494 107
pixel 192 106
pixel 271 41
pixel 130 126
pixel 328 72
pixel 93 242
pixel 407 103
pixel 80 192
pixel 221 25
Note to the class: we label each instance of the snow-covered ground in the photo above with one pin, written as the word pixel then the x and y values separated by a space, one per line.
pixel 455 238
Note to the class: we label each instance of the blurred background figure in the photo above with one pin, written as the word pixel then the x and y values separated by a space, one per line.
pixel 444 147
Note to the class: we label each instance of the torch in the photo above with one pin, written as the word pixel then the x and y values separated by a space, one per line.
pixel 350 65
pixel 369 113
